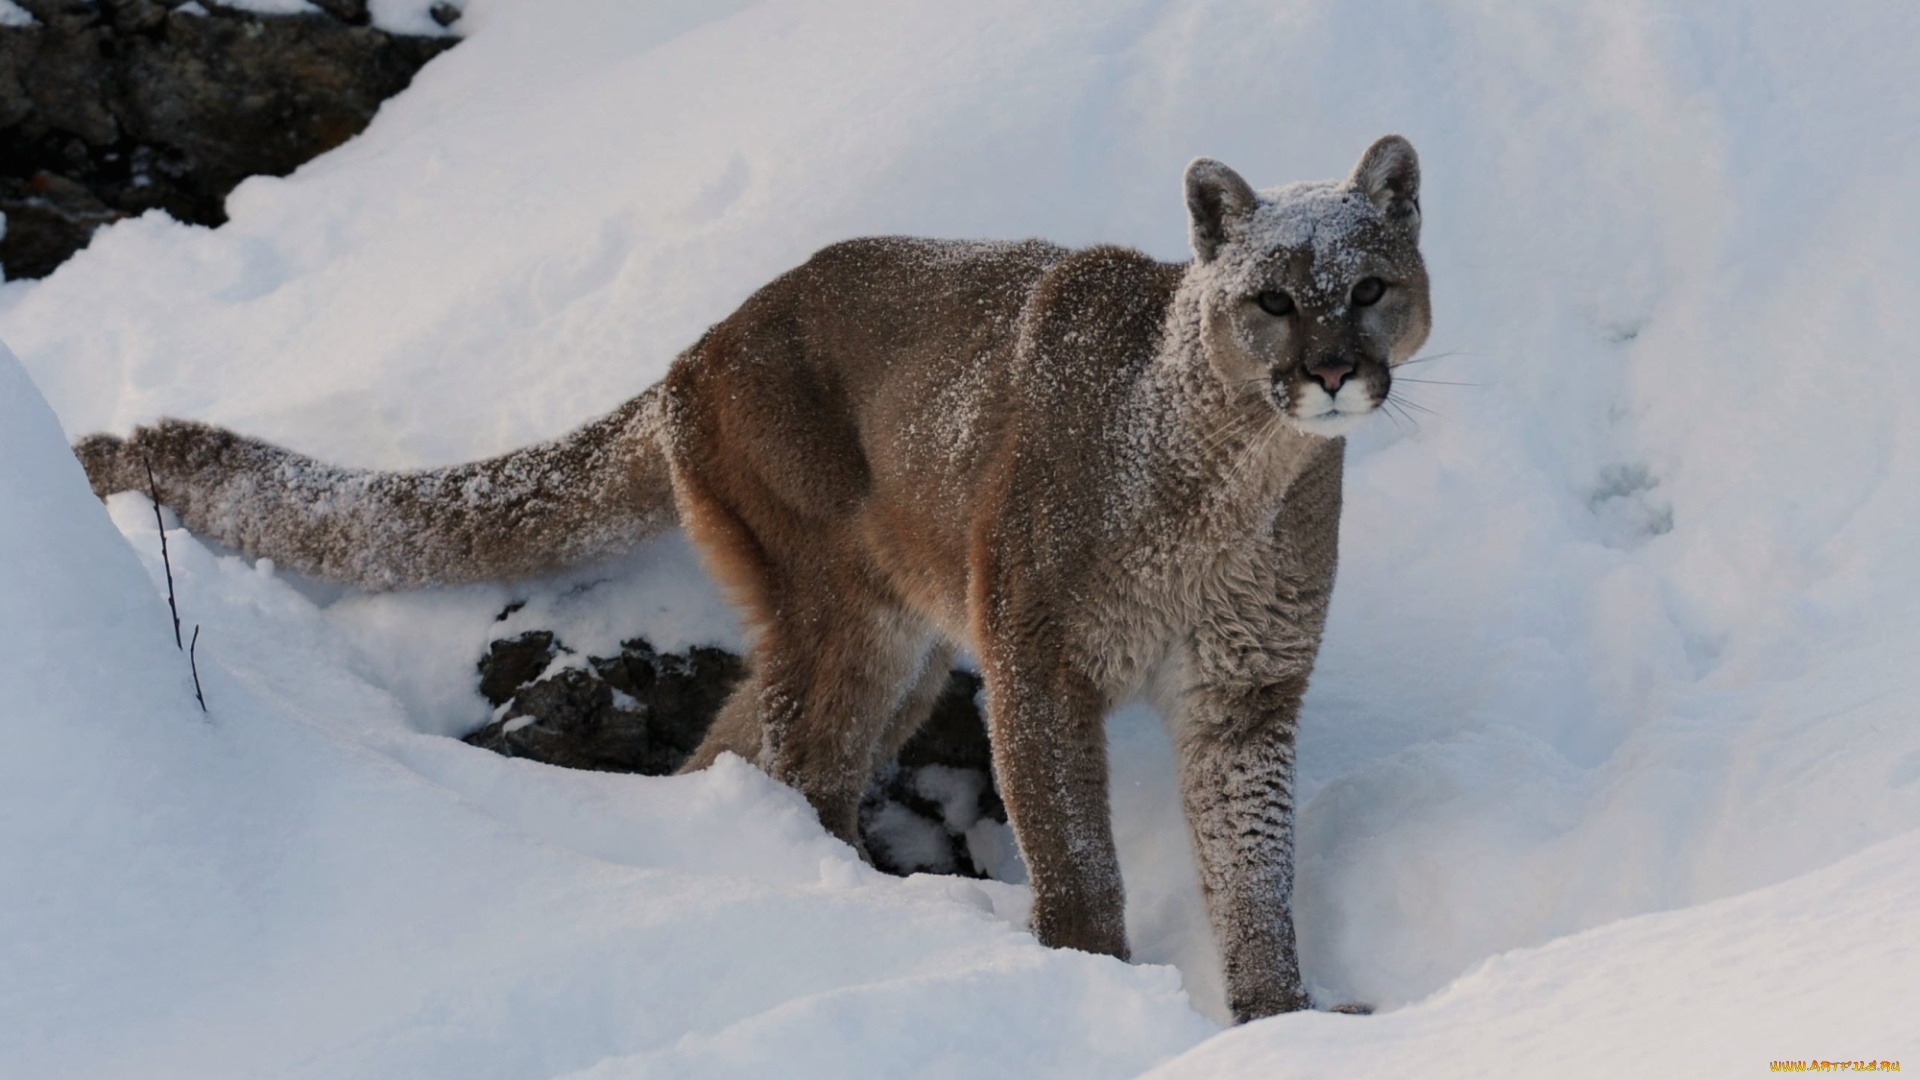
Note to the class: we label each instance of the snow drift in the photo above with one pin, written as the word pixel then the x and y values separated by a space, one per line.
pixel 297 885
pixel 1622 627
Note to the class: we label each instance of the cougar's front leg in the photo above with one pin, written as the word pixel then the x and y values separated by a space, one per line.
pixel 1236 759
pixel 1050 759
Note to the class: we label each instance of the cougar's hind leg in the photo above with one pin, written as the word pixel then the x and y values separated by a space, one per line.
pixel 912 712
pixel 832 659
pixel 739 564
pixel 736 729
pixel 831 685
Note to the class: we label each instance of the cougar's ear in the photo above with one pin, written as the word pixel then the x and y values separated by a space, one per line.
pixel 1215 196
pixel 1389 174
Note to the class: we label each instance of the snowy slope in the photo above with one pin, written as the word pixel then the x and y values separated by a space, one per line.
pixel 1819 969
pixel 1622 627
pixel 297 885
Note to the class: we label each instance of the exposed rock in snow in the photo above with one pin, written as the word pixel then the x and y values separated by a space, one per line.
pixel 644 711
pixel 936 808
pixel 640 711
pixel 112 109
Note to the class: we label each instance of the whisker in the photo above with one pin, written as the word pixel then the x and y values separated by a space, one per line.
pixel 1232 465
pixel 1229 430
pixel 1242 425
pixel 1256 450
pixel 1229 427
pixel 1414 405
pixel 1434 382
pixel 1400 412
pixel 1431 357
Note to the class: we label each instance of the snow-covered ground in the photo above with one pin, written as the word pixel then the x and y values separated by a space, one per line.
pixel 1612 759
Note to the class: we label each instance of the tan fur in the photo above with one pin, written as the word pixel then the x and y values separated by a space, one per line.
pixel 1107 477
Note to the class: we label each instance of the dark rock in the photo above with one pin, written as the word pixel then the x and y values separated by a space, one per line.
pixel 135 16
pixel 353 12
pixel 645 711
pixel 512 663
pixel 49 217
pixel 640 711
pixel 954 733
pixel 909 826
pixel 681 694
pixel 571 720
pixel 145 107
pixel 942 776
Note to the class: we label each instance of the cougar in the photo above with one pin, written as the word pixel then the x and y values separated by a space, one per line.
pixel 1106 477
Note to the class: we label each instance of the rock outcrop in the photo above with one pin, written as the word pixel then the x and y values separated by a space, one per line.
pixel 112 108
pixel 644 711
pixel 640 711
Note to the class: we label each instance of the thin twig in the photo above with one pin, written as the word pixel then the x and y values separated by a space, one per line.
pixel 193 664
pixel 153 492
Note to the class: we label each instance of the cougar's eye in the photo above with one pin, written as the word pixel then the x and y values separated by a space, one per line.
pixel 1368 291
pixel 1275 302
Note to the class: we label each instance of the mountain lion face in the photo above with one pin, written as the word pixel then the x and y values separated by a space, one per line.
pixel 1312 292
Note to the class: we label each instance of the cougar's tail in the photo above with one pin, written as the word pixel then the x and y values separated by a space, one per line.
pixel 596 492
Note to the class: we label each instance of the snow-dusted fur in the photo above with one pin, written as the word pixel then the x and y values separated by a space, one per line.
pixel 597 492
pixel 1108 477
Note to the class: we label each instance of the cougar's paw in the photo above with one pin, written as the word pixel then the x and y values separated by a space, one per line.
pixel 103 457
pixel 1260 1004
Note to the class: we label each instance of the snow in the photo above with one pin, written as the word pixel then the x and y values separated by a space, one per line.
pixel 1621 635
pixel 300 885
pixel 276 7
pixel 1321 216
pixel 407 17
pixel 393 16
pixel 1817 969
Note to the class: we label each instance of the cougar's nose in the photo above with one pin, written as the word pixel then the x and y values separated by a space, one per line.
pixel 1331 371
